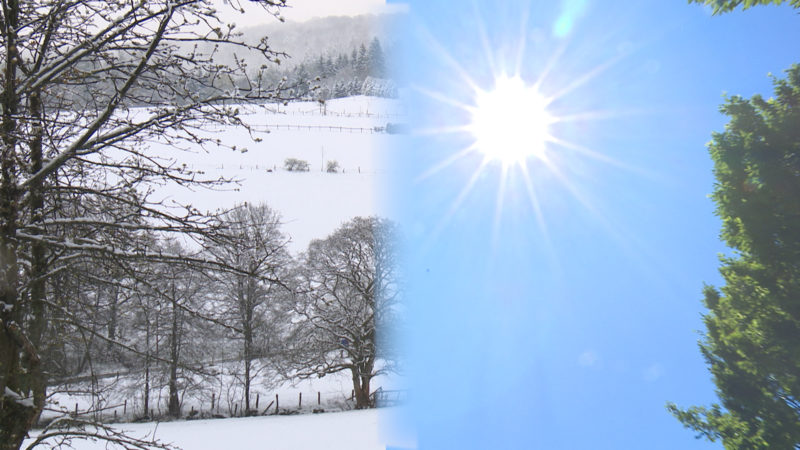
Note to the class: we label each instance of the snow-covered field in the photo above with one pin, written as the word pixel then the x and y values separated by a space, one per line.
pixel 375 429
pixel 314 203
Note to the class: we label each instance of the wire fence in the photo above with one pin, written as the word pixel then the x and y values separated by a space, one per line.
pixel 215 404
pixel 323 112
pixel 332 128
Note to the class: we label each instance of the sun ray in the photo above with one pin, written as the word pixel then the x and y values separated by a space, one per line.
pixel 498 208
pixel 534 199
pixel 445 56
pixel 588 76
pixel 523 41
pixel 585 151
pixel 611 229
pixel 465 191
pixel 601 115
pixel 631 246
pixel 487 50
pixel 576 193
pixel 445 163
pixel 438 96
pixel 456 205
pixel 550 65
pixel 433 131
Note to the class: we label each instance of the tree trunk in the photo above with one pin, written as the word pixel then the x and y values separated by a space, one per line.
pixel 20 375
pixel 365 381
pixel 361 389
pixel 247 302
pixel 146 399
pixel 174 407
pixel 248 358
pixel 39 266
pixel 113 318
pixel 246 387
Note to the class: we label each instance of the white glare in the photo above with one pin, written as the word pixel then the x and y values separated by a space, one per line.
pixel 510 122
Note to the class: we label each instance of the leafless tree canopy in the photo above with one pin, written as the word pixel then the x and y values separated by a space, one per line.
pixel 253 299
pixel 348 288
pixel 86 86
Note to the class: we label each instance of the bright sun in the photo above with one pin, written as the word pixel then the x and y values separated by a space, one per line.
pixel 511 123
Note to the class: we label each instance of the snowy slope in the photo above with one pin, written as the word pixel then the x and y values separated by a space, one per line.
pixel 314 203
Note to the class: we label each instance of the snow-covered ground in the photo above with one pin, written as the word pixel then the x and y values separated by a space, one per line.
pixel 120 398
pixel 375 429
pixel 314 203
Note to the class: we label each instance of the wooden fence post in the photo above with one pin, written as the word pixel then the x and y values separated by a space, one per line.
pixel 300 400
pixel 125 407
pixel 319 398
pixel 213 400
pixel 276 404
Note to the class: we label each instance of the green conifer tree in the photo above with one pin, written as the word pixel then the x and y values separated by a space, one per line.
pixel 752 343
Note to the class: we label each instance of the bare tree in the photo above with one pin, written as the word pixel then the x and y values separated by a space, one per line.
pixel 178 286
pixel 257 248
pixel 86 86
pixel 348 289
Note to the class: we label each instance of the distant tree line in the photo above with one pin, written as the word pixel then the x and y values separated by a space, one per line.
pixel 365 70
pixel 362 71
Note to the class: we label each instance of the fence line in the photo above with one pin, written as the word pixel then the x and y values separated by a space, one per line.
pixel 122 410
pixel 340 129
pixel 343 114
pixel 279 167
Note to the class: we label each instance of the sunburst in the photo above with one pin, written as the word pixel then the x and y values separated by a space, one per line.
pixel 512 127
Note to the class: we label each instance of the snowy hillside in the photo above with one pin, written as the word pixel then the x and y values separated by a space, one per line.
pixel 313 203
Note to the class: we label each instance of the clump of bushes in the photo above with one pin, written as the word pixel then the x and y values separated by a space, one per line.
pixel 295 165
pixel 332 167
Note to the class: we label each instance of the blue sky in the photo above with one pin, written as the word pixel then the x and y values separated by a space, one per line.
pixel 570 328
